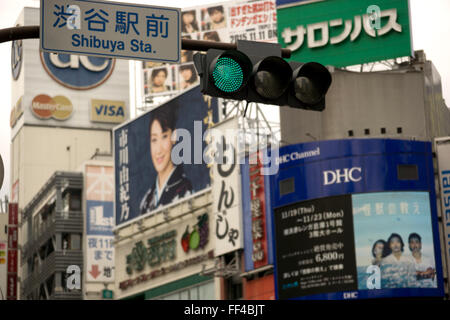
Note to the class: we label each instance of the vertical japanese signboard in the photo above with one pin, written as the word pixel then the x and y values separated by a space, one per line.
pixel 345 32
pixel 223 21
pixel 226 188
pixel 356 219
pixel 3 269
pixel 99 223
pixel 111 29
pixel 13 211
pixel 258 249
pixel 442 147
pixel 258 210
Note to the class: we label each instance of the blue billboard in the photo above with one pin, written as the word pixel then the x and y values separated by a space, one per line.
pixel 355 219
pixel 159 156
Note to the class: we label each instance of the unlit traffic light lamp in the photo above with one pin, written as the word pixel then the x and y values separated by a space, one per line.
pixel 256 72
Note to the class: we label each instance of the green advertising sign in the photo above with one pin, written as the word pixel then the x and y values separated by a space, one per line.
pixel 345 32
pixel 107 294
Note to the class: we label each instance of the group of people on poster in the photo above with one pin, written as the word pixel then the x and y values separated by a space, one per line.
pixel 402 268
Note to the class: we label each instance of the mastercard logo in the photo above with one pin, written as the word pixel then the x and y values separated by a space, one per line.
pixel 46 107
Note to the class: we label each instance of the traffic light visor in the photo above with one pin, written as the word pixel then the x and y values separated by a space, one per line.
pixel 272 77
pixel 311 82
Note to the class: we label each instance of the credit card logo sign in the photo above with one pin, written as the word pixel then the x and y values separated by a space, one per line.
pixel 77 72
pixel 45 107
pixel 107 111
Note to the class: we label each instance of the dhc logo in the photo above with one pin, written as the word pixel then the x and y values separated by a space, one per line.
pixel 350 295
pixel 77 72
pixel 342 176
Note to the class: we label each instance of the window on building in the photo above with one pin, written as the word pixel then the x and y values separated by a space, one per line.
pixel 287 186
pixel 65 241
pixel 75 201
pixel 76 241
pixel 407 172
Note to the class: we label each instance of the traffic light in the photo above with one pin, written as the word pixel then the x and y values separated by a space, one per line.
pixel 256 72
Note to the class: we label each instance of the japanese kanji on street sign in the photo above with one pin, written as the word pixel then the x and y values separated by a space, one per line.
pixel 111 29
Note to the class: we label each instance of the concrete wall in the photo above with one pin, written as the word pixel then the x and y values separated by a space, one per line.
pixel 364 103
pixel 37 152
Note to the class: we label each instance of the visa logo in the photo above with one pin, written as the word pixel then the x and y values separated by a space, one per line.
pixel 112 111
pixel 108 111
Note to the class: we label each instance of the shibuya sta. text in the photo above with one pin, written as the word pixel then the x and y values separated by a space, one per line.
pixel 81 41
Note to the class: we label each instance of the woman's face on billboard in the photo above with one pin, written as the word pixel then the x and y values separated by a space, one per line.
pixel 186 74
pixel 378 250
pixel 159 79
pixel 161 147
pixel 188 18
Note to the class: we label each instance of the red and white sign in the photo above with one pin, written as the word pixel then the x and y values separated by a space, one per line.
pixel 13 214
pixel 258 211
pixel 12 237
pixel 12 287
pixel 12 261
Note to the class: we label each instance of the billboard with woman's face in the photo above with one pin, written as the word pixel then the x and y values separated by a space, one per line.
pixel 159 156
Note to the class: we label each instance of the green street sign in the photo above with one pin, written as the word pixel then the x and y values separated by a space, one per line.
pixel 107 294
pixel 345 32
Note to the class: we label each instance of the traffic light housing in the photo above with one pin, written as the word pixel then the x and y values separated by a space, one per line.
pixel 256 72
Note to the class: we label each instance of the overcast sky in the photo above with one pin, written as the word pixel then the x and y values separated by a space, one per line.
pixel 430 29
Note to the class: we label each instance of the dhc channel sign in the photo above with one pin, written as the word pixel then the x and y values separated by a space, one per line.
pixel 77 72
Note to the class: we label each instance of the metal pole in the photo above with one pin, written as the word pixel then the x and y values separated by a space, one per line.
pixel 32 32
pixel 202 45
pixel 18 33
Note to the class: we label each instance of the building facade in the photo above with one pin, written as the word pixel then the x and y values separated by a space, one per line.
pixel 64 107
pixel 52 229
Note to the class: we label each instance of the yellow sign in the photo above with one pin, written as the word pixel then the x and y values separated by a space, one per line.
pixel 107 111
pixel 16 112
